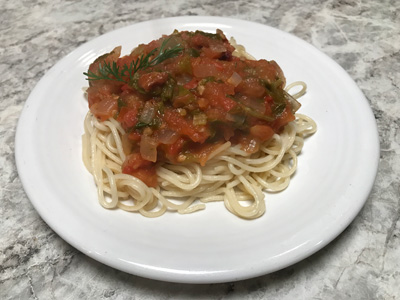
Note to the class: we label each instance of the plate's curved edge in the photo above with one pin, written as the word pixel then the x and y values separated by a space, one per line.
pixel 229 276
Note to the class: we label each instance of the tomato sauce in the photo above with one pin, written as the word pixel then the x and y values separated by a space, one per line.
pixel 180 109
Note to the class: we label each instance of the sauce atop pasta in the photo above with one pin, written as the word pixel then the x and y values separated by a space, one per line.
pixel 182 96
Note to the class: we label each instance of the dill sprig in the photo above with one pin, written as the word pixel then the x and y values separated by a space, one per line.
pixel 111 71
pixel 108 71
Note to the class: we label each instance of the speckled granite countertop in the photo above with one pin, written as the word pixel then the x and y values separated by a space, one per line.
pixel 362 263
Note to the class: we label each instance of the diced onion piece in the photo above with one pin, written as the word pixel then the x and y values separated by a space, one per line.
pixel 167 136
pixel 200 119
pixel 148 148
pixel 200 89
pixel 239 119
pixel 255 104
pixel 181 111
pixel 217 47
pixel 230 117
pixel 252 146
pixel 293 102
pixel 148 113
pixel 105 108
pixel 235 79
pixel 183 79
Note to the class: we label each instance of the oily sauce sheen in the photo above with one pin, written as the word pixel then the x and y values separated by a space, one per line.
pixel 182 109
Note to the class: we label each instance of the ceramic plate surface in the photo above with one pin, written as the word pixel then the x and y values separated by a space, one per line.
pixel 331 185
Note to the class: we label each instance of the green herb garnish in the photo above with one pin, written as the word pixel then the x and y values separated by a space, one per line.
pixel 141 125
pixel 111 71
pixel 249 111
pixel 121 103
pixel 153 124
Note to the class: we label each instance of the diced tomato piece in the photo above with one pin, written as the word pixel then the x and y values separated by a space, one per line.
pixel 267 70
pixel 129 117
pixel 132 99
pixel 262 132
pixel 215 114
pixel 135 136
pixel 185 126
pixel 251 87
pixel 199 41
pixel 181 101
pixel 126 87
pixel 202 152
pixel 228 131
pixel 142 169
pixel 211 53
pixel 133 162
pixel 149 80
pixel 147 175
pixel 268 100
pixel 122 113
pixel 226 103
pixel 100 92
pixel 203 103
pixel 104 109
pixel 124 60
pixel 217 93
pixel 204 67
pixel 191 84
pixel 171 151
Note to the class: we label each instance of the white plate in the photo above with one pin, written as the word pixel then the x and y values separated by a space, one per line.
pixel 336 169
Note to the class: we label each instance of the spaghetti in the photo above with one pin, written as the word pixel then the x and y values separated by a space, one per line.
pixel 230 174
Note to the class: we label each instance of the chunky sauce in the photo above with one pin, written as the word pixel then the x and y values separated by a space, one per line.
pixel 184 107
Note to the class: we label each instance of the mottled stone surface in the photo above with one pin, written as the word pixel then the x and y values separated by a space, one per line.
pixel 362 263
